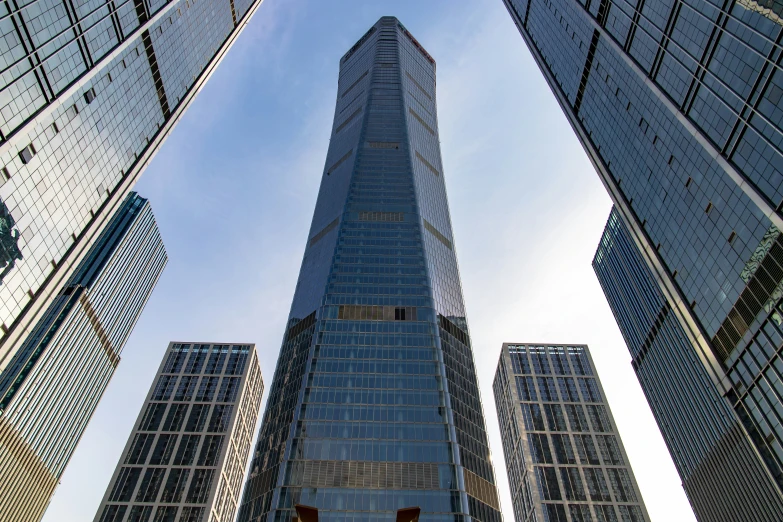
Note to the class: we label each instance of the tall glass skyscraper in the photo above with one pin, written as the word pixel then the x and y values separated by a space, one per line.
pixel 724 478
pixel 375 404
pixel 51 387
pixel 564 457
pixel 88 92
pixel 678 105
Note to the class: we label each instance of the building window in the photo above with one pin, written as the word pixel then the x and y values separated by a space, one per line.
pixel 142 443
pixel 384 144
pixel 163 450
pixel 112 513
pixel 186 451
pixel 339 162
pixel 427 164
pixel 89 96
pixel 152 416
pixel 210 450
pixel 166 514
pixel 125 484
pixel 221 417
pixel 175 485
pixel 200 486
pixel 198 417
pixel 150 484
pixel 27 153
pixel 140 513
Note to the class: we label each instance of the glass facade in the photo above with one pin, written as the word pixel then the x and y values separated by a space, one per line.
pixel 564 457
pixel 52 385
pixel 187 455
pixel 88 92
pixel 678 105
pixel 374 404
pixel 725 480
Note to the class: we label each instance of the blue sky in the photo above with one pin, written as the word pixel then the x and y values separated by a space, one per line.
pixel 234 188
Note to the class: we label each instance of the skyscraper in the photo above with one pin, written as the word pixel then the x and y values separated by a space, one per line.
pixel 724 478
pixel 375 404
pixel 52 385
pixel 187 454
pixel 89 92
pixel 561 466
pixel 678 105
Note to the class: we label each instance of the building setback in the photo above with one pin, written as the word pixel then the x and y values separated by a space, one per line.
pixel 564 456
pixel 678 105
pixel 186 456
pixel 89 92
pixel 375 404
pixel 51 387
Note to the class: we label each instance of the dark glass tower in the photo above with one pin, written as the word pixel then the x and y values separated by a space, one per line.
pixel 51 387
pixel 88 93
pixel 375 404
pixel 679 107
pixel 724 478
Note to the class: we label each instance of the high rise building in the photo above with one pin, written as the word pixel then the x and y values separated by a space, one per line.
pixel 89 91
pixel 52 385
pixel 678 105
pixel 375 404
pixel 564 456
pixel 724 478
pixel 188 452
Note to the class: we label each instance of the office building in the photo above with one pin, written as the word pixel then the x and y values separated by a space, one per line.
pixel 678 106
pixel 89 92
pixel 375 403
pixel 564 456
pixel 186 457
pixel 724 479
pixel 52 386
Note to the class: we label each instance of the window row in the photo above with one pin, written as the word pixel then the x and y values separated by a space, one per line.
pixel 201 389
pixel 370 413
pixel 400 382
pixel 563 450
pixel 164 450
pixel 581 513
pixel 372 430
pixel 155 485
pixel 374 366
pixel 116 513
pixel 533 417
pixel 371 450
pixel 594 484
pixel 177 413
pixel 202 361
pixel 547 360
pixel 378 352
pixel 399 397
pixel 546 389
pixel 371 500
